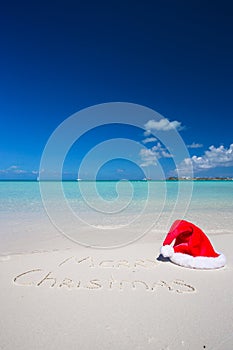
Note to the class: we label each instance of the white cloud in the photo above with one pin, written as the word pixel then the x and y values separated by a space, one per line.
pixel 162 125
pixel 212 158
pixel 19 171
pixel 195 145
pixel 149 140
pixel 148 157
pixel 13 169
pixel 151 155
pixel 119 170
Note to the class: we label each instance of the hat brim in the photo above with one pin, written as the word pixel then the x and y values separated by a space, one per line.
pixel 198 262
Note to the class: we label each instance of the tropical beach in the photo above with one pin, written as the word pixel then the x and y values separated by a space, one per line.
pixel 56 293
pixel 81 298
pixel 116 175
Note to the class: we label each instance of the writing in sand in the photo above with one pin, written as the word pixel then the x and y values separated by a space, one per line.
pixel 80 277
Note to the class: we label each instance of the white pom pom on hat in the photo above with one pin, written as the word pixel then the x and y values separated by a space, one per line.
pixel 167 251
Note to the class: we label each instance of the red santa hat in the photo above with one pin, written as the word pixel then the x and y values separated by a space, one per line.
pixel 192 248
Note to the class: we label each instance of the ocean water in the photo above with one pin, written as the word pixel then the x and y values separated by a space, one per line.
pixel 37 215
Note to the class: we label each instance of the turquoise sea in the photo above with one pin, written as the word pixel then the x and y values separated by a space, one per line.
pixel 39 214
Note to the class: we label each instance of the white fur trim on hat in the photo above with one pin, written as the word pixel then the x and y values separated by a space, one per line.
pixel 167 251
pixel 198 262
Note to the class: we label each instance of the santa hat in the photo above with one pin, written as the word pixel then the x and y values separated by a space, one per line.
pixel 192 248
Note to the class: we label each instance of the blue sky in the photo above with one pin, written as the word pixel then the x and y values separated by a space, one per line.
pixel 58 57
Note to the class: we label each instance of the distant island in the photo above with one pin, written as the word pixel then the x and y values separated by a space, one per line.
pixel 184 178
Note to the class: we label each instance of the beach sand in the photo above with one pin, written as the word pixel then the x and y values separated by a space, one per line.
pixel 83 298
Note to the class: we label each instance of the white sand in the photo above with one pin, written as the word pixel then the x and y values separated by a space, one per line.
pixel 82 298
